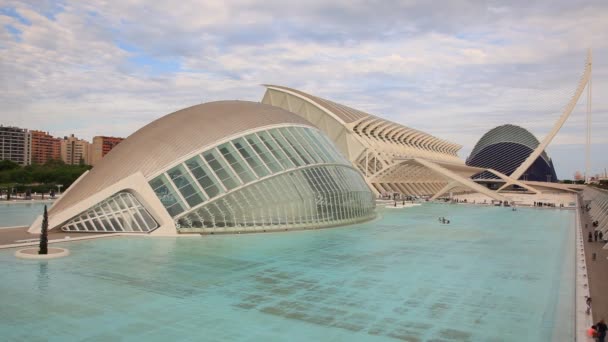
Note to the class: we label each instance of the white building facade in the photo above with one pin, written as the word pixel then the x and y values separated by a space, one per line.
pixel 220 167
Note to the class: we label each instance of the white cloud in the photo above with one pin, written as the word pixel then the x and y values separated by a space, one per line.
pixel 108 67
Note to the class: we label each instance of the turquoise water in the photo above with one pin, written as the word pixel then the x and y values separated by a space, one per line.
pixel 19 213
pixel 491 275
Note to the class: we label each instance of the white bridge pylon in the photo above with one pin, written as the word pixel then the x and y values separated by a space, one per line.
pixel 583 83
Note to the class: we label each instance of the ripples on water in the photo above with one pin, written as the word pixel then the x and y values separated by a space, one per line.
pixel 491 275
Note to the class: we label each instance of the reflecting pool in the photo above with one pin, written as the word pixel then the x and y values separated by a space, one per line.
pixel 490 275
pixel 13 214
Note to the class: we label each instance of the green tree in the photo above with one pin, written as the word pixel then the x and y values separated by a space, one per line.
pixel 8 165
pixel 44 238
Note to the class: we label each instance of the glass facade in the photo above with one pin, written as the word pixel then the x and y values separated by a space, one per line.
pixel 120 213
pixel 279 178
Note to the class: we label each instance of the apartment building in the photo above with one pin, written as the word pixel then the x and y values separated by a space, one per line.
pixel 44 147
pixel 101 146
pixel 15 145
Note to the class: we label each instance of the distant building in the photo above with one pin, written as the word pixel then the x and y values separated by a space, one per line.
pixel 504 149
pixel 75 151
pixel 15 145
pixel 101 146
pixel 44 147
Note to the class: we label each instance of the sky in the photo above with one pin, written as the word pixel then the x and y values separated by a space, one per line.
pixel 454 69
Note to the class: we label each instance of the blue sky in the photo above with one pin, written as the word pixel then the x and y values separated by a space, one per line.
pixel 454 69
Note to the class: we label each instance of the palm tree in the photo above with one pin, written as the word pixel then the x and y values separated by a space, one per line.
pixel 44 239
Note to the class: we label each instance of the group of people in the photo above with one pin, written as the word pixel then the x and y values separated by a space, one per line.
pixel 444 220
pixel 544 204
pixel 596 234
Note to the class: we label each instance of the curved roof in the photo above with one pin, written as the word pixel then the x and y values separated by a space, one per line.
pixel 507 133
pixel 344 113
pixel 368 124
pixel 157 145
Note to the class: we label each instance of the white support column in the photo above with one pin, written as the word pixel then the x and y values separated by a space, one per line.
pixel 451 185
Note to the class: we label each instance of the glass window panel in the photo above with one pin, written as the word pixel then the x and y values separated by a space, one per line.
pixel 106 223
pixel 218 215
pixel 137 217
pixel 260 148
pixel 237 163
pixel 116 224
pixel 312 139
pixel 296 144
pixel 204 177
pixel 175 209
pixel 286 147
pixel 157 182
pixel 167 196
pixel 89 225
pixel 120 202
pixel 332 148
pixel 250 157
pixel 99 227
pixel 220 168
pixel 300 131
pixel 276 151
pixel 305 144
pixel 185 185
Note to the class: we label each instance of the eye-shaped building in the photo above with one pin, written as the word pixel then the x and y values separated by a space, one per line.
pixel 228 166
pixel 505 148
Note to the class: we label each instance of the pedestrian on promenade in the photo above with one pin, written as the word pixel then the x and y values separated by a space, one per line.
pixel 590 239
pixel 601 331
pixel 601 236
pixel 588 301
pixel 595 235
pixel 592 332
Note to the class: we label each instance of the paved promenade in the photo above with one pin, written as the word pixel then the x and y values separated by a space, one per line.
pixel 597 272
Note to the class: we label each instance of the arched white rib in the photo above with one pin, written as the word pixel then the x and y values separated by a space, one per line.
pixel 558 125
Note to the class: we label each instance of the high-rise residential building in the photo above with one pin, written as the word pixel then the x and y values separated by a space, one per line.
pixel 15 145
pixel 75 151
pixel 101 146
pixel 44 147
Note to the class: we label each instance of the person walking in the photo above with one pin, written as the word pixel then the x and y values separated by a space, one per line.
pixel 601 236
pixel 590 239
pixel 595 235
pixel 588 301
pixel 601 330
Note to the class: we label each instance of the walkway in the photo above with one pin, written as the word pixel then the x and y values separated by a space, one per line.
pixel 597 272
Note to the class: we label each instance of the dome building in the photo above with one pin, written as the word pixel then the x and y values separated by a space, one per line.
pixel 219 167
pixel 504 149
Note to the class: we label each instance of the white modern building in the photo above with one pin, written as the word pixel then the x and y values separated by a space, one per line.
pixel 393 158
pixel 219 167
